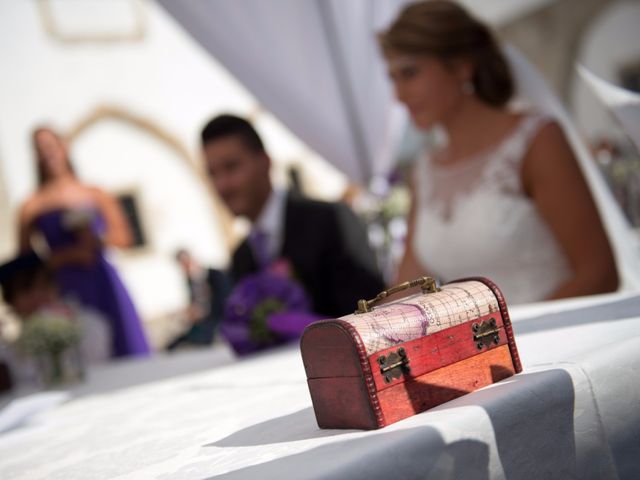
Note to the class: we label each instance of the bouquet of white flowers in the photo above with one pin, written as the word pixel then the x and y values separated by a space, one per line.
pixel 52 339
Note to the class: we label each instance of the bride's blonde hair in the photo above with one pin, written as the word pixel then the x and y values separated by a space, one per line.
pixel 445 30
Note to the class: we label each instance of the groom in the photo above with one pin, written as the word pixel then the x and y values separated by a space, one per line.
pixel 324 243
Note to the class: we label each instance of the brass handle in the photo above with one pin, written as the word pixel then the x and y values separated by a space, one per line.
pixel 426 284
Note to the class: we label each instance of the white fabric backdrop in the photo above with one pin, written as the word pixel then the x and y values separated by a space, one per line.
pixel 314 64
pixel 624 104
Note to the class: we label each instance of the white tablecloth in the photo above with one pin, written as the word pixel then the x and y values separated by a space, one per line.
pixel 573 413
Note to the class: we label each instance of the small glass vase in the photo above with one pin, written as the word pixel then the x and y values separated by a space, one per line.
pixel 60 368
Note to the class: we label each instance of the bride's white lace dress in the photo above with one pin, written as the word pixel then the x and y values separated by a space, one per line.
pixel 474 218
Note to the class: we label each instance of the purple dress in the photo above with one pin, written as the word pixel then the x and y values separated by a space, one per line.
pixel 97 286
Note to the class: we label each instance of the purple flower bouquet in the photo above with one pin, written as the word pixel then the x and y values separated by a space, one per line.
pixel 265 309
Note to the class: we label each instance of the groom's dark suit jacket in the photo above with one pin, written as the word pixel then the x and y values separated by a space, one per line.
pixel 327 247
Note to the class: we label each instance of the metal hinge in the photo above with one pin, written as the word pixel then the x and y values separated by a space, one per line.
pixel 394 364
pixel 486 333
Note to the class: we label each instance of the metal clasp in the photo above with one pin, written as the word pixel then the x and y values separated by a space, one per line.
pixel 394 365
pixel 486 333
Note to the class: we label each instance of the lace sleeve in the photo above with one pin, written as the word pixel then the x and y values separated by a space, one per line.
pixel 505 169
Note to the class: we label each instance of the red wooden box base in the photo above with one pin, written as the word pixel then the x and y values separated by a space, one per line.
pixel 343 402
pixel 421 393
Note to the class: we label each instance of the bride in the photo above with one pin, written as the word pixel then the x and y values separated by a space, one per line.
pixel 504 197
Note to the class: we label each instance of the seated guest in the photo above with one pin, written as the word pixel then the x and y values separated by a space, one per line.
pixel 28 288
pixel 208 288
pixel 324 243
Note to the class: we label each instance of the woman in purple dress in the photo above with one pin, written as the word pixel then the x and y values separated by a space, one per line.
pixel 77 221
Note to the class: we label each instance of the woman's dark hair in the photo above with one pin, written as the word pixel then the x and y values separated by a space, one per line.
pixel 226 125
pixel 445 30
pixel 40 171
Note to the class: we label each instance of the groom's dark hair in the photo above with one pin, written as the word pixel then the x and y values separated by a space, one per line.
pixel 228 125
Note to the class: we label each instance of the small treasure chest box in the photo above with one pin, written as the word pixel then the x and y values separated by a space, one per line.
pixel 380 365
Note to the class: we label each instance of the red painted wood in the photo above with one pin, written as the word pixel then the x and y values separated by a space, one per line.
pixel 442 385
pixel 502 303
pixel 343 402
pixel 437 350
pixel 332 350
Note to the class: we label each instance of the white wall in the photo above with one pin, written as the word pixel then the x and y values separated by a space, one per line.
pixel 165 78
pixel 612 41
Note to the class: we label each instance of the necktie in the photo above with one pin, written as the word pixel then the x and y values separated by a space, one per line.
pixel 258 240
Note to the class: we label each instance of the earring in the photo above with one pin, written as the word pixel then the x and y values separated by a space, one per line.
pixel 468 88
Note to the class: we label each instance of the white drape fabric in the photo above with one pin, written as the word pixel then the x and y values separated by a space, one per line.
pixel 314 64
pixel 624 104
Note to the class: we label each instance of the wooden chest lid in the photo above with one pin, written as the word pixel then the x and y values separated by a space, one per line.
pixel 422 314
pixel 418 316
